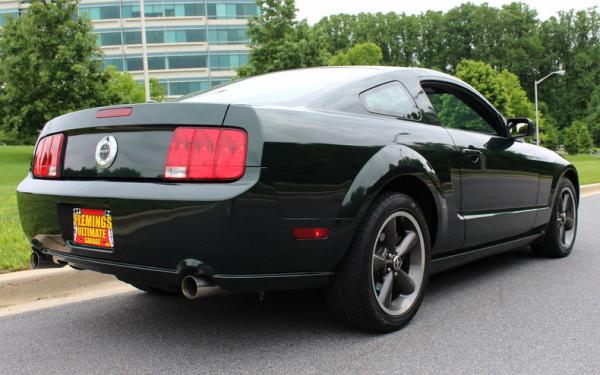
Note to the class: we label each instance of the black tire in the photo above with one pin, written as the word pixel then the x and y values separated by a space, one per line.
pixel 552 245
pixel 352 295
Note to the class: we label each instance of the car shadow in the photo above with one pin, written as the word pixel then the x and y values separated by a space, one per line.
pixel 279 316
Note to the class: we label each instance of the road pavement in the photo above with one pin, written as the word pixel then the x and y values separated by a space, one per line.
pixel 513 313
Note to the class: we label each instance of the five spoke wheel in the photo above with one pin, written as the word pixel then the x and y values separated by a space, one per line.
pixel 398 263
pixel 566 218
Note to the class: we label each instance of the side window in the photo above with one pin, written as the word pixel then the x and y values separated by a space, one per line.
pixel 390 99
pixel 454 113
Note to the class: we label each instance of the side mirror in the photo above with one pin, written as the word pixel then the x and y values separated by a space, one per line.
pixel 519 127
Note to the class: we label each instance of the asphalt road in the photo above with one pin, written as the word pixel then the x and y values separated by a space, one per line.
pixel 513 313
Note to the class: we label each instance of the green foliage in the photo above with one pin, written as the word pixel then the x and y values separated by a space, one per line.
pixel 49 66
pixel 593 116
pixel 502 89
pixel 123 89
pixel 280 42
pixel 570 140
pixel 549 135
pixel 584 139
pixel 510 38
pixel 360 54
pixel 518 103
pixel 578 138
pixel 487 81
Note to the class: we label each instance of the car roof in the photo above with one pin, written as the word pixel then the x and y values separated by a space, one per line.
pixel 302 87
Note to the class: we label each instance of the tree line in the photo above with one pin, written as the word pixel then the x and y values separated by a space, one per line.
pixel 510 39
pixel 50 65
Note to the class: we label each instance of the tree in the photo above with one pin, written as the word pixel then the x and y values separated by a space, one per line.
pixel 485 79
pixel 510 37
pixel 584 139
pixel 570 140
pixel 50 65
pixel 593 117
pixel 359 54
pixel 279 42
pixel 123 89
pixel 518 103
pixel 548 134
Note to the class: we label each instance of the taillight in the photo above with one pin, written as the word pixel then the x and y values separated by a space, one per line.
pixel 206 154
pixel 47 158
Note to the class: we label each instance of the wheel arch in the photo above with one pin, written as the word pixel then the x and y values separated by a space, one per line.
pixel 398 168
pixel 571 173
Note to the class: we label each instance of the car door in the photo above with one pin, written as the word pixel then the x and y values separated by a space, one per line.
pixel 499 175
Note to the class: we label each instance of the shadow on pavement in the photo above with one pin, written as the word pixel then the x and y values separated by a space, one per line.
pixel 279 314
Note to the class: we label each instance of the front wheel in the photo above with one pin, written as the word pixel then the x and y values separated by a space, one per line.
pixel 562 228
pixel 381 282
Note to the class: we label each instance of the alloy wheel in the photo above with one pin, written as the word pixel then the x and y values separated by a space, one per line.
pixel 566 218
pixel 398 263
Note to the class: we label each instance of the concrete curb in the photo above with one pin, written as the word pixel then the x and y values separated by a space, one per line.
pixel 590 189
pixel 34 285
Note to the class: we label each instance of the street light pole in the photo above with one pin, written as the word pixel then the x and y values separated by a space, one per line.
pixel 537 112
pixel 144 53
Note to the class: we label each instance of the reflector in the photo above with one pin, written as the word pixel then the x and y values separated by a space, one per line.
pixel 320 233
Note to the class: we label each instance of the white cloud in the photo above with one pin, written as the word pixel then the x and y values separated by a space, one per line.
pixel 314 10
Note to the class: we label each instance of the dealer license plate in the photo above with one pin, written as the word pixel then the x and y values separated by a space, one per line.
pixel 93 228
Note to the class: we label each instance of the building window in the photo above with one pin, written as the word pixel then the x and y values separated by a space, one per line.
pixel 186 61
pixel 112 38
pixel 165 10
pixel 228 61
pixel 117 63
pixel 5 15
pixel 232 10
pixel 228 36
pixel 100 12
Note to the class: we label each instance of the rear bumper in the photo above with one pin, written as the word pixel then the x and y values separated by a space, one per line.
pixel 173 277
pixel 232 232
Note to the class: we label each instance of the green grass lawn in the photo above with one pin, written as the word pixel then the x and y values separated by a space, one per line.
pixel 14 249
pixel 14 164
pixel 588 167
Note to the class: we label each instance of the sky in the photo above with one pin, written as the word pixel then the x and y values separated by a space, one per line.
pixel 314 10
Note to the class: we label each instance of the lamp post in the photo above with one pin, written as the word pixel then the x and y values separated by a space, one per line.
pixel 537 113
pixel 144 52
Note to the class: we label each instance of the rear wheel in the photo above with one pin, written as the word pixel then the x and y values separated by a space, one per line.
pixel 562 228
pixel 381 282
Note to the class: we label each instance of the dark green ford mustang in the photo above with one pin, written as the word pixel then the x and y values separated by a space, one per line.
pixel 358 180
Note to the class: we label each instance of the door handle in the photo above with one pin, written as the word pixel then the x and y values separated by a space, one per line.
pixel 472 154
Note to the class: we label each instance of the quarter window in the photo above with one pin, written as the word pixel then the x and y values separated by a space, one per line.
pixel 390 99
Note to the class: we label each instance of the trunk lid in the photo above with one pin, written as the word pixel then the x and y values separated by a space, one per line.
pixel 142 137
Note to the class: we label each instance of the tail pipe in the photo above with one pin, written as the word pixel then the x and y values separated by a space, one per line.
pixel 195 287
pixel 38 260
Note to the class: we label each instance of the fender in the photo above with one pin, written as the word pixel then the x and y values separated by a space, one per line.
pixel 387 164
pixel 570 168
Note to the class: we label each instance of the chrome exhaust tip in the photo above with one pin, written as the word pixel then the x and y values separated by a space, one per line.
pixel 195 287
pixel 38 260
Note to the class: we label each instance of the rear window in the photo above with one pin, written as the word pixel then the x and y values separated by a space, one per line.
pixel 391 99
pixel 282 87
